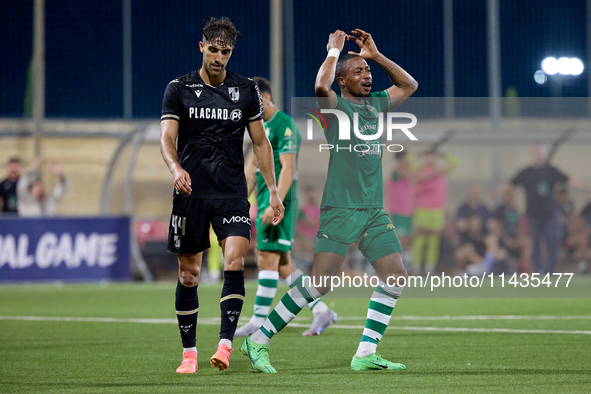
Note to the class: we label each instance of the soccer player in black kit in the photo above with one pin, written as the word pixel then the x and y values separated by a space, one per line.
pixel 204 114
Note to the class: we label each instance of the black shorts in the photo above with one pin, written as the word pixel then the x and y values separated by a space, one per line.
pixel 191 217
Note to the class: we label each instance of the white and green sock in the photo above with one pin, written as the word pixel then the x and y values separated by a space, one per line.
pixel 317 306
pixel 265 293
pixel 286 310
pixel 381 305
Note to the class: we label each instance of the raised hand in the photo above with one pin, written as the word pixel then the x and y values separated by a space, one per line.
pixel 366 44
pixel 337 40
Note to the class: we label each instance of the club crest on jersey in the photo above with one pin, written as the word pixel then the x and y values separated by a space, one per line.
pixel 234 93
pixel 177 241
pixel 373 110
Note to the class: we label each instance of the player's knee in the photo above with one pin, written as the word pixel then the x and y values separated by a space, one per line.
pixel 268 261
pixel 395 274
pixel 190 278
pixel 189 269
pixel 401 273
pixel 234 264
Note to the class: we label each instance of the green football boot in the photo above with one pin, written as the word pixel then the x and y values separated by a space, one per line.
pixel 258 355
pixel 374 361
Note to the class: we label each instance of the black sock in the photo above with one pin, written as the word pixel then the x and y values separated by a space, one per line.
pixel 231 302
pixel 187 306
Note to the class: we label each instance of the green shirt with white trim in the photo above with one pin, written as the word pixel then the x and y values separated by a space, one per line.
pixel 354 177
pixel 284 136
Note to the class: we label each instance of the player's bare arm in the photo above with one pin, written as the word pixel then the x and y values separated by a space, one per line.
pixel 284 182
pixel 169 130
pixel 264 156
pixel 326 73
pixel 250 170
pixel 403 84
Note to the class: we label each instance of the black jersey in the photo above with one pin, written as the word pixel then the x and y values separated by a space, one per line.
pixel 212 121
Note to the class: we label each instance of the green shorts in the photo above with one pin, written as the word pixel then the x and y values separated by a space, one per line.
pixel 403 225
pixel 370 229
pixel 430 219
pixel 278 237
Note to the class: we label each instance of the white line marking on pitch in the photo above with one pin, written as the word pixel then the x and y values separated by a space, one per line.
pixel 479 317
pixel 215 321
pixel 457 329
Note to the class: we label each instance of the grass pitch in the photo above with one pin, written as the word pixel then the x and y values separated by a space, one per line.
pixel 123 338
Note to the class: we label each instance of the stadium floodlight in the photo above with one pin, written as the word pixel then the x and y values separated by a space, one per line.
pixel 540 77
pixel 550 65
pixel 576 66
pixel 564 66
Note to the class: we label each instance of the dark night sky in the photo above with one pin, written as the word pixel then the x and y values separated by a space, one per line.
pixel 84 46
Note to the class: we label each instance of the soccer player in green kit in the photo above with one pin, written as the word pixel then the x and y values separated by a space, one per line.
pixel 352 202
pixel 274 242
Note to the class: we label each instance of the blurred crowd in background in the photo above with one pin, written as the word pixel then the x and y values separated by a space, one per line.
pixel 26 194
pixel 485 233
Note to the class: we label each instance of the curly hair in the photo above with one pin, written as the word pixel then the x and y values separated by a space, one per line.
pixel 220 30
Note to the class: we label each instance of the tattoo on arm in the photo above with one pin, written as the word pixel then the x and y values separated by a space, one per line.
pixel 392 69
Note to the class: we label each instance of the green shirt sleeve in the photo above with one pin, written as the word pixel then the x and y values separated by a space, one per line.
pixel 287 138
pixel 383 101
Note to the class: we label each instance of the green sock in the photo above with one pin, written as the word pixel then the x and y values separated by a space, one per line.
pixel 380 309
pixel 432 254
pixel 418 245
pixel 317 306
pixel 265 293
pixel 286 310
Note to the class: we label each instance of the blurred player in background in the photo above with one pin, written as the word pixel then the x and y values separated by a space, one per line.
pixel 352 202
pixel 543 214
pixel 401 200
pixel 429 215
pixel 308 223
pixel 8 187
pixel 274 242
pixel 208 110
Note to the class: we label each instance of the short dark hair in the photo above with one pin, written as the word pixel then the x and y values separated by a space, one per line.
pixel 220 30
pixel 342 64
pixel 14 160
pixel 264 85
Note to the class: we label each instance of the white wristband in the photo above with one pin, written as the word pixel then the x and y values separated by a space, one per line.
pixel 334 52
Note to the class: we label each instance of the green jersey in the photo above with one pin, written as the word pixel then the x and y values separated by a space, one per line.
pixel 354 177
pixel 284 135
